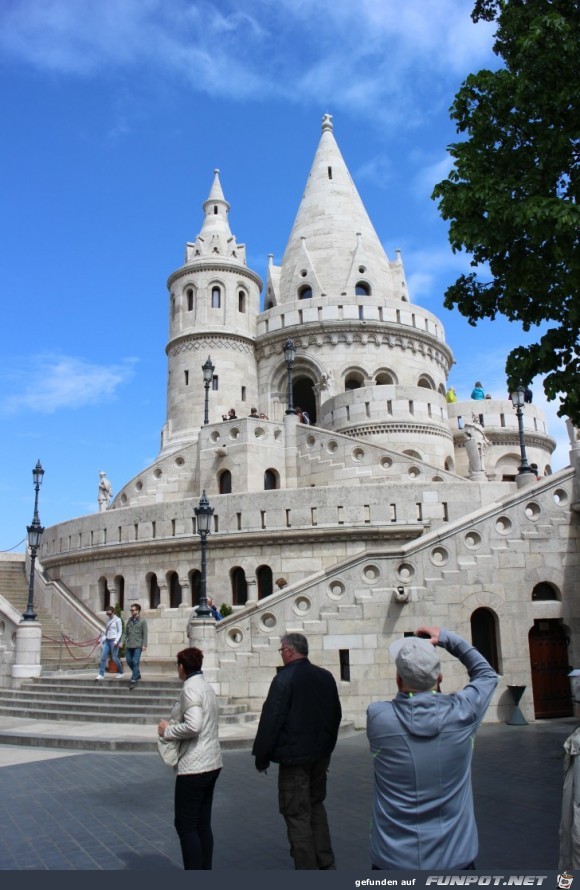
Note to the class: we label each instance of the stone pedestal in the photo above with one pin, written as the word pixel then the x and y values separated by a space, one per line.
pixel 525 479
pixel 27 660
pixel 201 634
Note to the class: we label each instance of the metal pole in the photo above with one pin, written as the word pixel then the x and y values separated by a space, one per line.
pixel 203 610
pixel 206 406
pixel 524 466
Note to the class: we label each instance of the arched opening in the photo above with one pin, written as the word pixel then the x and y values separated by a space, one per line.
pixel 239 586
pixel 449 464
pixel 189 296
pixel 216 297
pixel 265 583
pixel 362 289
pixel 120 590
pixel 195 586
pixel 225 482
pixel 353 380
pixel 549 664
pixel 414 454
pixel 271 480
pixel 484 635
pixel 305 292
pixel 241 301
pixel 104 594
pixel 545 591
pixel 153 591
pixel 175 590
pixel 303 395
pixel 385 378
pixel 506 468
pixel 426 382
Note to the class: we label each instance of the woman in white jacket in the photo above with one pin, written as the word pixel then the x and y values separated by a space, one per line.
pixel 200 760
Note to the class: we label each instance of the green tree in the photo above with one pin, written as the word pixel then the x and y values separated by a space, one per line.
pixel 512 197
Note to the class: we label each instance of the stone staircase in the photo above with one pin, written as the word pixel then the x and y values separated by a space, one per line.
pixel 78 712
pixel 55 654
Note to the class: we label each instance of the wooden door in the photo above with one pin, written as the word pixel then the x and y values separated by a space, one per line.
pixel 549 663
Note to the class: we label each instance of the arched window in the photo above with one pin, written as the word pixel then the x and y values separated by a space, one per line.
pixel 353 381
pixel 385 378
pixel 241 301
pixel 153 590
pixel 104 594
pixel 120 590
pixel 216 297
pixel 426 382
pixel 271 480
pixel 225 482
pixel 189 295
pixel 305 292
pixel 239 586
pixel 265 583
pixel 483 635
pixel 362 289
pixel 195 586
pixel 449 465
pixel 175 591
pixel 544 591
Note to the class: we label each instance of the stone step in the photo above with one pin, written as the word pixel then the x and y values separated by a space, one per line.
pixel 110 701
pixel 102 736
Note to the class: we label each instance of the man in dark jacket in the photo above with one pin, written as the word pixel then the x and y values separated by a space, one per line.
pixel 298 730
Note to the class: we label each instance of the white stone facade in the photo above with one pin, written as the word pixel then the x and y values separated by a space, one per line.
pixel 393 509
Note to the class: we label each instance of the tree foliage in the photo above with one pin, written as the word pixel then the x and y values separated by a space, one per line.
pixel 512 197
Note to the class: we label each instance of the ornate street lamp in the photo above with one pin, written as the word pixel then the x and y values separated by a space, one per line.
pixel 203 513
pixel 35 532
pixel 289 356
pixel 208 368
pixel 518 401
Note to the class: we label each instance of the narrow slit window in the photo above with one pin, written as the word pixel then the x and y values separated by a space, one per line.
pixel 330 172
pixel 344 657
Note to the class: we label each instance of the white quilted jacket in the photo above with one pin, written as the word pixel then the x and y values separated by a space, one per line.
pixel 197 711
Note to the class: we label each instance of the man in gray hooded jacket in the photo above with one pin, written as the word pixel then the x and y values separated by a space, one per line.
pixel 422 744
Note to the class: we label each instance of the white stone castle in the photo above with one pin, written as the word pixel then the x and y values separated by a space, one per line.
pixel 392 508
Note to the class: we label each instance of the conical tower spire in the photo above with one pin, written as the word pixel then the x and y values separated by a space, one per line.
pixel 332 230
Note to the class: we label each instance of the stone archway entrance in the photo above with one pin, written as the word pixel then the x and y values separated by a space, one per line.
pixel 550 668
pixel 303 395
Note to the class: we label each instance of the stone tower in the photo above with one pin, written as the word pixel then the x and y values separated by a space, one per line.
pixel 213 305
pixel 369 363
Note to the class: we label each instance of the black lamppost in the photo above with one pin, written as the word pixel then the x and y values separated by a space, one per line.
pixel 289 356
pixel 208 368
pixel 518 401
pixel 203 513
pixel 35 531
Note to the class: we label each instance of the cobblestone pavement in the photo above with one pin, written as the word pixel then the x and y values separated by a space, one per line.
pixel 109 811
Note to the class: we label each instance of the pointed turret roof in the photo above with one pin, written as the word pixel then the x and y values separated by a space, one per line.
pixel 331 227
pixel 215 238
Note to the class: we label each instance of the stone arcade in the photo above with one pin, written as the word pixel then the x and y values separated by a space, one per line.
pixel 391 509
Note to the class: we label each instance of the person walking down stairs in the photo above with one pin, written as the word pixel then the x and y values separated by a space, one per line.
pixel 110 639
pixel 135 640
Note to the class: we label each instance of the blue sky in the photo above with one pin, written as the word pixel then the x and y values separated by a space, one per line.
pixel 114 116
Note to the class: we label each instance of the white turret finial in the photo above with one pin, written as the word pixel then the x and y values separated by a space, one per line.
pixel 327 122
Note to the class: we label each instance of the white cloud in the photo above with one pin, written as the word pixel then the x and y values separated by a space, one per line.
pixel 51 383
pixel 373 57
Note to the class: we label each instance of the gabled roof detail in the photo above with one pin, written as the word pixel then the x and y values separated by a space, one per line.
pixel 330 223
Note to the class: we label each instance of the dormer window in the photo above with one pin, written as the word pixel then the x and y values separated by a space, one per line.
pixel 305 292
pixel 362 289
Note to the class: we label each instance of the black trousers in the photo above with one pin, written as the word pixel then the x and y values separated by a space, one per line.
pixel 301 794
pixel 193 800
